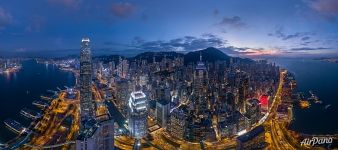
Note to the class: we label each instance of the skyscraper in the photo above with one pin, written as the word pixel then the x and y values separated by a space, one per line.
pixel 162 112
pixel 200 78
pixel 200 85
pixel 86 102
pixel 94 134
pixel 138 113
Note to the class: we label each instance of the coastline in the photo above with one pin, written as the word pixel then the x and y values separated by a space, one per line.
pixel 30 123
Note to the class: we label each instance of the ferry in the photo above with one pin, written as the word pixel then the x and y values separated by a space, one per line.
pixel 51 91
pixel 45 98
pixel 40 104
pixel 14 126
pixel 314 98
pixel 30 113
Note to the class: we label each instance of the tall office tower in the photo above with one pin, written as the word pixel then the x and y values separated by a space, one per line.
pixel 122 95
pixel 86 102
pixel 125 68
pixel 138 113
pixel 230 98
pixel 200 85
pixel 243 93
pixel 120 67
pixel 162 112
pixel 200 78
pixel 178 124
pixel 253 110
pixel 96 136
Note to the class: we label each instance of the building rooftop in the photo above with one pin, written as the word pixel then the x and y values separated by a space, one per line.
pixel 138 95
pixel 88 129
pixel 251 134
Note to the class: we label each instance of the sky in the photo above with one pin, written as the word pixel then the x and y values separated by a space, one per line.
pixel 248 28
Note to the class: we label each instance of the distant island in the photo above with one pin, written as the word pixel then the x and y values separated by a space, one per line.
pixel 332 60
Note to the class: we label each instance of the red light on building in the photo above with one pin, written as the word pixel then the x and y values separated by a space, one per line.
pixel 264 100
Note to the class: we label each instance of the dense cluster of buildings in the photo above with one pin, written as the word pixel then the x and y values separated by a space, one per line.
pixel 198 101
pixel 9 65
pixel 193 101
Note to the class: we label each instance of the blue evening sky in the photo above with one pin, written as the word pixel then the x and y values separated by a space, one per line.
pixel 237 27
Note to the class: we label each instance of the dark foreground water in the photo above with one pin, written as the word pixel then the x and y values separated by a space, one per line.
pixel 322 78
pixel 18 90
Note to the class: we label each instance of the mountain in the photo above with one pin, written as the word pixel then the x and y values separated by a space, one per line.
pixel 210 54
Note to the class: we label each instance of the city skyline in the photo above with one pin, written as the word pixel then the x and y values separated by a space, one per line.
pixel 241 28
pixel 200 100
pixel 168 74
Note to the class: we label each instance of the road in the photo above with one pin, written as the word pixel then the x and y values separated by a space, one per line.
pixel 279 140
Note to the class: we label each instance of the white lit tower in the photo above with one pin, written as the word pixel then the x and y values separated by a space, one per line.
pixel 138 113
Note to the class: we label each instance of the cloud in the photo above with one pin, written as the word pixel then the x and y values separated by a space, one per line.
pixel 138 40
pixel 326 8
pixel 305 38
pixel 191 43
pixel 73 4
pixel 280 33
pixel 5 18
pixel 252 52
pixel 235 22
pixel 310 48
pixel 186 43
pixel 122 10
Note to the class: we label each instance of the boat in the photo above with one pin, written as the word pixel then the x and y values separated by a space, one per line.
pixel 58 88
pixel 14 126
pixel 30 113
pixel 51 91
pixel 45 98
pixel 304 104
pixel 327 106
pixel 314 98
pixel 40 104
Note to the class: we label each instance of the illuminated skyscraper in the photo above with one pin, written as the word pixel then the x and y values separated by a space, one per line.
pixel 200 78
pixel 86 102
pixel 94 134
pixel 138 113
pixel 200 85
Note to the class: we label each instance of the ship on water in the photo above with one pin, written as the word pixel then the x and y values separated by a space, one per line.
pixel 45 98
pixel 314 97
pixel 14 126
pixel 30 113
pixel 40 104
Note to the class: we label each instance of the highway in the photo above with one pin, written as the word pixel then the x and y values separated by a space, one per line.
pixel 279 141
